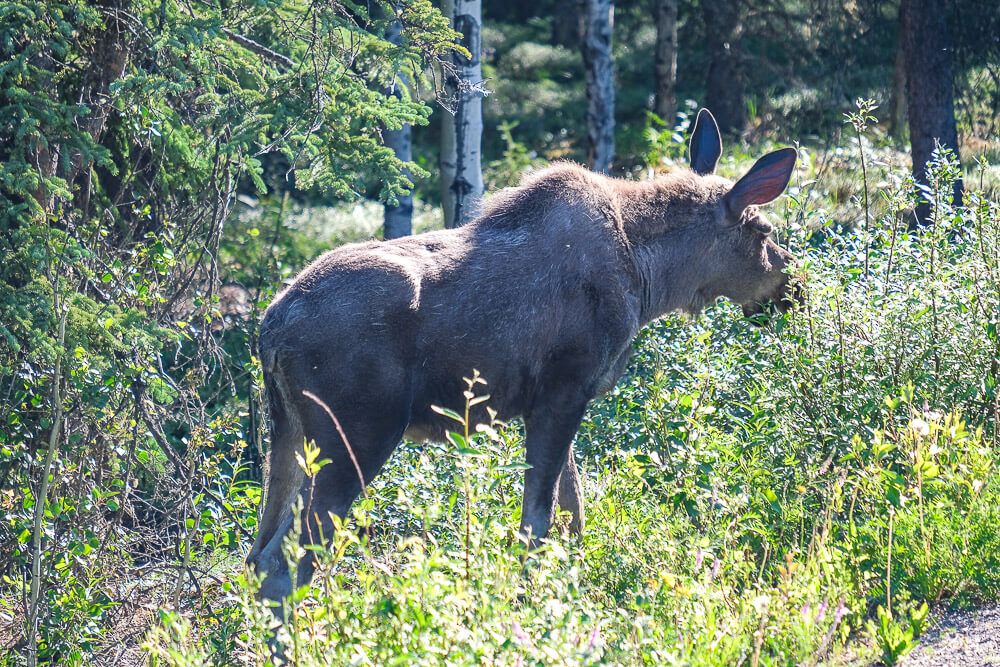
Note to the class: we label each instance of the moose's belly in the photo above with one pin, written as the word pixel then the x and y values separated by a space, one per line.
pixel 507 389
pixel 423 433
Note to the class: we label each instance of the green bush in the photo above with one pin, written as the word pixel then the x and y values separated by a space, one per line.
pixel 127 130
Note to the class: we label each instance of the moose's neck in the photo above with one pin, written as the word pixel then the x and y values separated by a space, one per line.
pixel 664 222
pixel 670 273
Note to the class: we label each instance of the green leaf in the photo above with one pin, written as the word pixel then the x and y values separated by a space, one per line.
pixel 451 414
pixel 511 467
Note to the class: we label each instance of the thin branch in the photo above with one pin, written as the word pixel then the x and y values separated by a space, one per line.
pixel 256 47
pixel 172 457
pixel 41 500
pixel 343 436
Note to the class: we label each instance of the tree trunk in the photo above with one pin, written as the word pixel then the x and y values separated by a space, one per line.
pixel 108 60
pixel 462 133
pixel 897 98
pixel 724 94
pixel 568 23
pixel 927 52
pixel 600 84
pixel 666 60
pixel 398 219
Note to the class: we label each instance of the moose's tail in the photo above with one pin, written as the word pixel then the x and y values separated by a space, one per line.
pixel 282 473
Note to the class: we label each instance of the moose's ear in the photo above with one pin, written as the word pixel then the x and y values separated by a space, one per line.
pixel 706 143
pixel 764 183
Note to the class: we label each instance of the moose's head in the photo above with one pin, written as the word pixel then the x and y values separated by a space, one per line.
pixel 744 264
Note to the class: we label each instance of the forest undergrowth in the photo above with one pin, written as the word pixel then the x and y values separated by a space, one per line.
pixel 795 493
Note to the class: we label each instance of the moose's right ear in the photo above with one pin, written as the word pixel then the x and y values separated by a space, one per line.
pixel 706 143
pixel 764 183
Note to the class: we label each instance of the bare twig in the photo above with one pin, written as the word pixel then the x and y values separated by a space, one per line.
pixel 256 47
pixel 41 500
pixel 172 457
pixel 347 445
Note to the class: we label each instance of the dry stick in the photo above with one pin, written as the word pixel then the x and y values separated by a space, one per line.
pixel 185 559
pixel 185 535
pixel 279 59
pixel 43 489
pixel 864 178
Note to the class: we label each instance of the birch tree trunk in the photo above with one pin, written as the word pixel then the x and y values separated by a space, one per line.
pixel 666 60
pixel 927 52
pixel 398 218
pixel 462 133
pixel 599 65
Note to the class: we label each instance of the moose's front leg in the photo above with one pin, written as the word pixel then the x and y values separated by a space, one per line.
pixel 550 431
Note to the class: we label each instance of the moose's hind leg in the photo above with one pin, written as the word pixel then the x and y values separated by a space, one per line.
pixel 283 484
pixel 372 432
pixel 271 564
pixel 373 429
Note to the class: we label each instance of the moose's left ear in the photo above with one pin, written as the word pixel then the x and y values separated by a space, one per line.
pixel 764 183
pixel 706 143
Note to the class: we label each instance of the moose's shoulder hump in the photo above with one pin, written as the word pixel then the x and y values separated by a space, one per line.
pixel 561 185
pixel 568 181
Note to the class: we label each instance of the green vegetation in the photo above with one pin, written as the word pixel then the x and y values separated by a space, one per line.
pixel 755 496
pixel 764 496
pixel 797 493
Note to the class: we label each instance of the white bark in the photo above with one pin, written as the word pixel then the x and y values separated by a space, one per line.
pixel 398 220
pixel 600 84
pixel 461 133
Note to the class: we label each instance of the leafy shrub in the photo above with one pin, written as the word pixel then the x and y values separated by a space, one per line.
pixel 127 129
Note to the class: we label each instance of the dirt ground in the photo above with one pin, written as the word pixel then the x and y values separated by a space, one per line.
pixel 960 639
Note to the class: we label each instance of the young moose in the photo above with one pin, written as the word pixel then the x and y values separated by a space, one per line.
pixel 542 294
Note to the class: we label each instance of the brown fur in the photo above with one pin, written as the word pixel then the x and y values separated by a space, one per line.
pixel 542 294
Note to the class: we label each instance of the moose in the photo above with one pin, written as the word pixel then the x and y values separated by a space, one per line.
pixel 543 294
